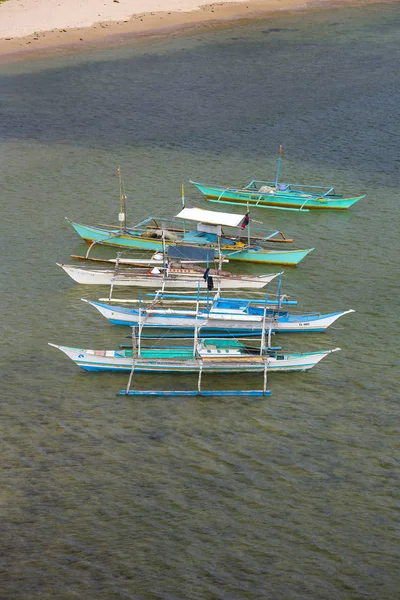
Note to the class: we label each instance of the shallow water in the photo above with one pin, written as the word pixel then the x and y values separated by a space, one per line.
pixel 293 496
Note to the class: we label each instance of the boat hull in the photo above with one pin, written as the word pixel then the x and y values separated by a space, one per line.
pixel 288 258
pixel 117 361
pixel 217 322
pixel 158 281
pixel 134 239
pixel 280 199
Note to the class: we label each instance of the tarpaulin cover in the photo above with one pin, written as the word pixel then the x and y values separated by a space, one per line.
pixel 211 217
pixel 191 253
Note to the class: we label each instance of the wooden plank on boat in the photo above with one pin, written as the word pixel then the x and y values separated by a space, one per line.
pixel 232 358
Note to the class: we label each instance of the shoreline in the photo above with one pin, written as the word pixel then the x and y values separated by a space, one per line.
pixel 116 33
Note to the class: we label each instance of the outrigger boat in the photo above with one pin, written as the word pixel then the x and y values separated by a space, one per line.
pixel 273 194
pixel 202 356
pixel 169 278
pixel 155 260
pixel 170 274
pixel 217 355
pixel 264 194
pixel 153 234
pixel 232 315
pixel 205 355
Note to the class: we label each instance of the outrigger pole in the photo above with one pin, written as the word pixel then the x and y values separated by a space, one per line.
pixel 279 166
pixel 279 292
pixel 134 355
pixel 177 393
pixel 113 277
pixel 135 350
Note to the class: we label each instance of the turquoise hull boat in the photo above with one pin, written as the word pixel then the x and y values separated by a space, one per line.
pixel 142 238
pixel 266 194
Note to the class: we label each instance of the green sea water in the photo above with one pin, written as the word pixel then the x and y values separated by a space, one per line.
pixel 290 497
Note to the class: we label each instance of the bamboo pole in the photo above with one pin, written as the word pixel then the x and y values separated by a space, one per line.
pixel 265 377
pixel 140 328
pixel 278 167
pixel 115 273
pixel 122 207
pixel 199 379
pixel 133 360
pixel 269 333
pixel 263 331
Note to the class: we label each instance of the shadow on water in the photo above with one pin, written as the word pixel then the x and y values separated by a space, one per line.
pixel 168 97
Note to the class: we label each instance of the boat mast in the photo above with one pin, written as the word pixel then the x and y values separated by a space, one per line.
pixel 164 250
pixel 220 257
pixel 279 292
pixel 279 167
pixel 248 226
pixel 196 331
pixel 183 206
pixel 262 343
pixel 140 327
pixel 122 205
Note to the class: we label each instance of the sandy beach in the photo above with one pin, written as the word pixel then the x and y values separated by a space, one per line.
pixel 33 28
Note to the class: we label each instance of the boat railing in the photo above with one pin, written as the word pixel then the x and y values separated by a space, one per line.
pixel 102 241
pixel 254 203
pixel 259 198
pixel 304 203
pixel 222 193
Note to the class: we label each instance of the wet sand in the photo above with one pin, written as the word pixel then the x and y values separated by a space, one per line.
pixel 17 19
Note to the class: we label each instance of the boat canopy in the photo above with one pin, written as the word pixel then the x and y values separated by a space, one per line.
pixel 194 253
pixel 210 217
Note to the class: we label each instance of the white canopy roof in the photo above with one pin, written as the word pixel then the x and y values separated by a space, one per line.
pixel 211 217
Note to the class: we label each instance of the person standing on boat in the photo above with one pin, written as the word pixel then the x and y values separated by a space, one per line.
pixel 245 221
pixel 208 279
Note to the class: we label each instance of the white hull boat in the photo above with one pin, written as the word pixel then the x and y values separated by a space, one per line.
pixel 226 316
pixel 174 279
pixel 213 356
